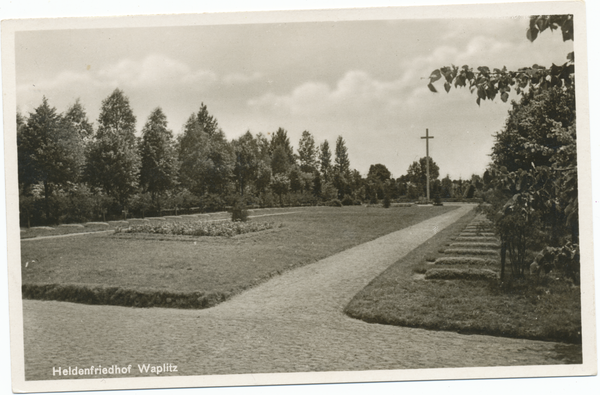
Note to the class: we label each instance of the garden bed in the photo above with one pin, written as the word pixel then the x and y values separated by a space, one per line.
pixel 197 228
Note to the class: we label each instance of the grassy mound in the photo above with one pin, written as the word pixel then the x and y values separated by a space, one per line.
pixel 466 260
pixel 470 251
pixel 481 239
pixel 461 274
pixel 474 244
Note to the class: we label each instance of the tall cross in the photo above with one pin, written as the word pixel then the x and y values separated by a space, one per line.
pixel 427 137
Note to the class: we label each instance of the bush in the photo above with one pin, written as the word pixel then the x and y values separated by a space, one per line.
pixel 348 201
pixel 212 203
pixel 239 211
pixel 386 201
pixel 267 199
pixel 335 203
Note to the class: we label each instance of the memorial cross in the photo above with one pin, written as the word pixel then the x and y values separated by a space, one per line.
pixel 427 137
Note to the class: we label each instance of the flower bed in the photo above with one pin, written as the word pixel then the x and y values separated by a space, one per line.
pixel 198 228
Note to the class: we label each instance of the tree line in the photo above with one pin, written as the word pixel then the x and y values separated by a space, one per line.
pixel 73 171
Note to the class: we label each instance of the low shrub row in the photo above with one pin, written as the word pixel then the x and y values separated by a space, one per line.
pixel 197 228
pixel 118 296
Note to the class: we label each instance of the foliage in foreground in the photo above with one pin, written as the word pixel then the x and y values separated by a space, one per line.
pixel 199 228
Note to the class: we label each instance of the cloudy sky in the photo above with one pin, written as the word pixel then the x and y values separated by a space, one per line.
pixel 363 80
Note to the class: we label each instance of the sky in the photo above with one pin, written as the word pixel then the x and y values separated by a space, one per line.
pixel 362 80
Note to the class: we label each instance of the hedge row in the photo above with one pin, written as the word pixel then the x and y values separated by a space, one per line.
pixel 117 296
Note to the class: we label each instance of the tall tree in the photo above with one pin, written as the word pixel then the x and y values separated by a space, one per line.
pixel 417 173
pixel 307 153
pixel 529 137
pixel 342 160
pixel 76 118
pixel 379 172
pixel 205 155
pixel 280 163
pixel 159 164
pixel 282 153
pixel 325 160
pixel 341 169
pixel 246 160
pixel 281 139
pixel 446 187
pixel 113 161
pixel 206 122
pixel 47 151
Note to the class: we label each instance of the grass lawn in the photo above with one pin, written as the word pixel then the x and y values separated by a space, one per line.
pixel 550 310
pixel 216 265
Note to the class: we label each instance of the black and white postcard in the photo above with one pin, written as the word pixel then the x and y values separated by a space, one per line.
pixel 355 195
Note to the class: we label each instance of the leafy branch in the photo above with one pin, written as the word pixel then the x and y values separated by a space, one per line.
pixel 490 83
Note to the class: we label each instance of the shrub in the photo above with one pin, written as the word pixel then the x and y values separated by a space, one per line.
pixel 212 203
pixel 335 203
pixel 348 201
pixel 461 274
pixel 387 201
pixel 239 211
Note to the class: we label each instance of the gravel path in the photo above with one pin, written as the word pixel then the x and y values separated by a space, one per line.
pixel 293 323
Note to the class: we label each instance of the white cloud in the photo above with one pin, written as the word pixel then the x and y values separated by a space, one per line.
pixel 355 94
pixel 154 71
